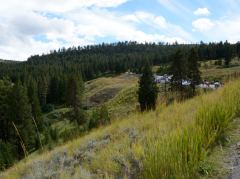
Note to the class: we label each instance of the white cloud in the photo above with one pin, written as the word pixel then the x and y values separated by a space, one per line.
pixel 57 5
pixel 226 29
pixel 161 25
pixel 151 19
pixel 175 7
pixel 202 12
pixel 61 23
pixel 103 24
pixel 203 24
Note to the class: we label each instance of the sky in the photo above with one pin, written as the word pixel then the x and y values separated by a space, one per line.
pixel 32 27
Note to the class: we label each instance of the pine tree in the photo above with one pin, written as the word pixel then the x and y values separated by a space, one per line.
pixel 74 99
pixel 5 88
pixel 178 70
pixel 193 72
pixel 238 50
pixel 227 53
pixel 53 90
pixel 42 91
pixel 7 155
pixel 34 101
pixel 20 114
pixel 148 90
pixel 62 90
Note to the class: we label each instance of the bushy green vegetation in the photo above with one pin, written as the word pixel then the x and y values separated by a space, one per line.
pixel 170 142
pixel 124 103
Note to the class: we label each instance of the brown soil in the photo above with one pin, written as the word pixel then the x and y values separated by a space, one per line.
pixel 103 96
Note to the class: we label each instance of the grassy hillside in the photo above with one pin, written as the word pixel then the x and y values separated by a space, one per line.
pixel 211 71
pixel 103 89
pixel 120 103
pixel 170 142
pixel 124 103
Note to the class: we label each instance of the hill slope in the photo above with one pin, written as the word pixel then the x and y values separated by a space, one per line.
pixel 169 142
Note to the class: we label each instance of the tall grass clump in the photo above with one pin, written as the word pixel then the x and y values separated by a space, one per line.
pixel 178 155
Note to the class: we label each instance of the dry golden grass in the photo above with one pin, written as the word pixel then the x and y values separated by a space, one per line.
pixel 167 143
pixel 99 84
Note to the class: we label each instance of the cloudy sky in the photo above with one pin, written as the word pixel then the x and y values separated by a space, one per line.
pixel 37 26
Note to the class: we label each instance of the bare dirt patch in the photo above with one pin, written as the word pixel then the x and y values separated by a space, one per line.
pixel 103 96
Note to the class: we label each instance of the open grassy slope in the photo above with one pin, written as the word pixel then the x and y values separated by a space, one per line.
pixel 211 71
pixel 170 142
pixel 121 101
pixel 124 103
pixel 103 89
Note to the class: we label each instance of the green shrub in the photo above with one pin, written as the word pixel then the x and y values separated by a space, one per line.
pixel 48 108
pixel 6 155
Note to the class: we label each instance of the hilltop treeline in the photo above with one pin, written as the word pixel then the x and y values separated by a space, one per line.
pixel 51 72
pixel 96 60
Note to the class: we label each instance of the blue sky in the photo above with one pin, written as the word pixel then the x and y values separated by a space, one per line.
pixel 38 26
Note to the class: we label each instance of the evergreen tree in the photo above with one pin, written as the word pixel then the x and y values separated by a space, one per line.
pixel 178 70
pixel 238 50
pixel 53 91
pixel 34 101
pixel 74 99
pixel 7 155
pixel 148 90
pixel 5 123
pixel 227 53
pixel 193 72
pixel 62 90
pixel 20 115
pixel 42 91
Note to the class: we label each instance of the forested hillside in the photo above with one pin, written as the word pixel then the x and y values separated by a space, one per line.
pixel 51 72
pixel 97 60
pixel 56 81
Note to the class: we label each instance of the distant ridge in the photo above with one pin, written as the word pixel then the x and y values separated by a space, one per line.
pixel 8 61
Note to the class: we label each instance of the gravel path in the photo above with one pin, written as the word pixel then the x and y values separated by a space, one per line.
pixel 235 162
pixel 224 160
pixel 232 159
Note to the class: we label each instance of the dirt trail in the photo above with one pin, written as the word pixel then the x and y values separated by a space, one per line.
pixel 224 161
pixel 235 160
